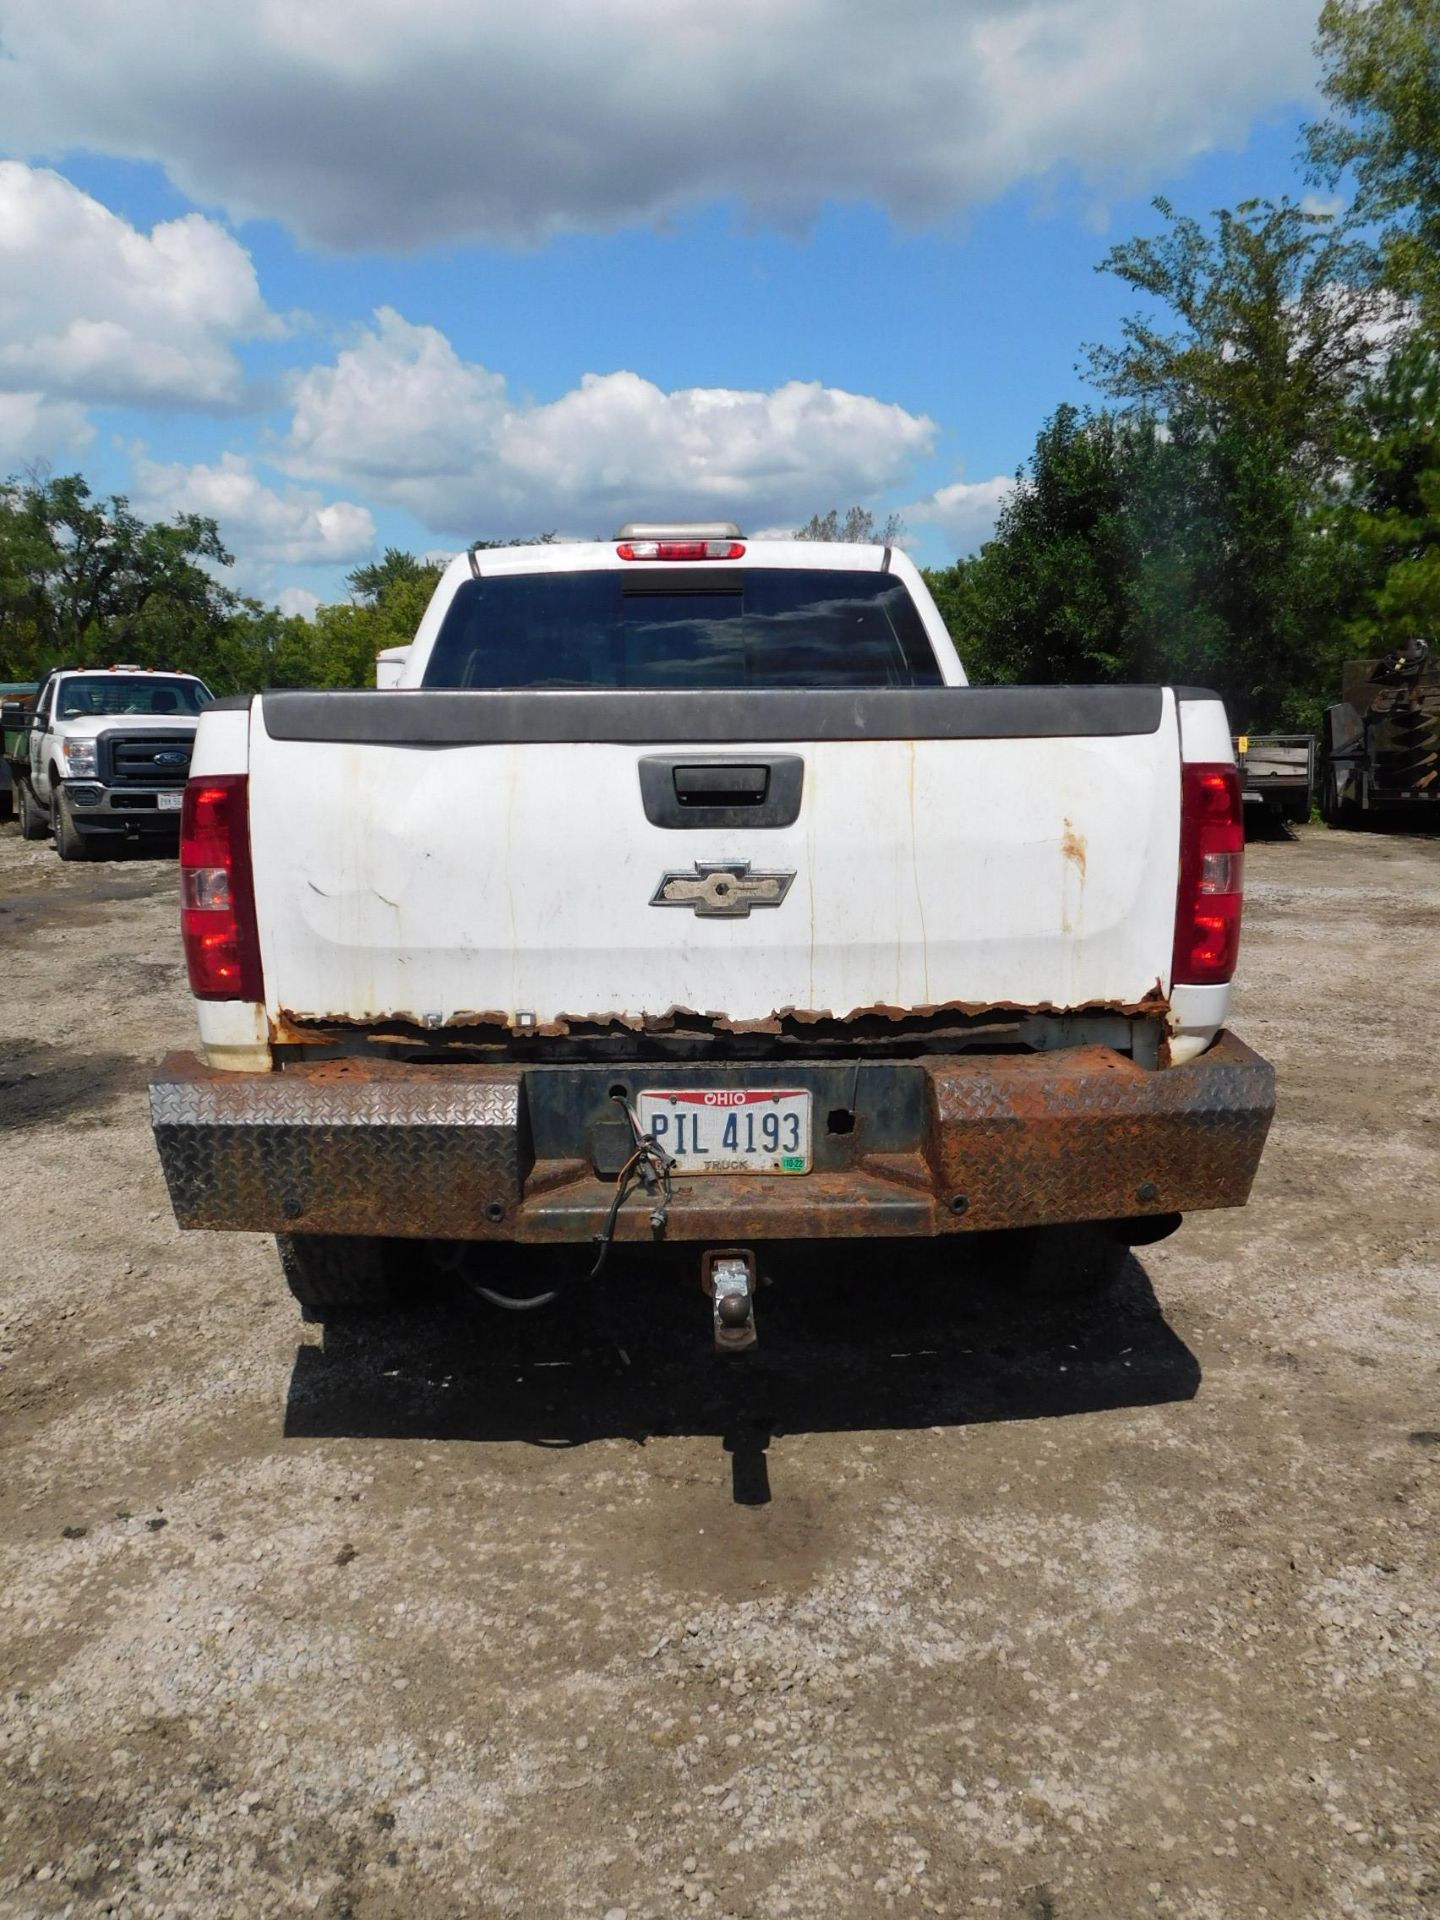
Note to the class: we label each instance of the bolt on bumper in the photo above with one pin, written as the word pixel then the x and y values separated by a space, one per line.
pixel 447 1152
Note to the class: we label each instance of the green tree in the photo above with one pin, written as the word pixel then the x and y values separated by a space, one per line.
pixel 957 591
pixel 857 527
pixel 82 579
pixel 338 647
pixel 394 572
pixel 1390 518
pixel 530 540
pixel 1381 61
pixel 1242 588
pixel 260 647
pixel 1279 324
pixel 1049 597
pixel 390 598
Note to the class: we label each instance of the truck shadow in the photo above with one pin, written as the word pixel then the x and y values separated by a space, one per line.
pixel 1262 825
pixel 1422 823
pixel 851 1338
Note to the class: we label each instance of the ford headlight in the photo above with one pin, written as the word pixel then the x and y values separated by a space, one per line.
pixel 80 759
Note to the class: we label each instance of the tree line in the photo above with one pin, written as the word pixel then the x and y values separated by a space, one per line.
pixel 88 582
pixel 1261 498
pixel 1255 499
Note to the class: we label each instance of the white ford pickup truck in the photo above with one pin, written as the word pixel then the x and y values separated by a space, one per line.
pixel 683 891
pixel 105 756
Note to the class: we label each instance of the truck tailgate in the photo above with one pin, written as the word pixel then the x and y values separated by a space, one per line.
pixel 442 873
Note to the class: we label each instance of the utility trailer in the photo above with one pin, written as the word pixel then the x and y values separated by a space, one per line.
pixel 1382 740
pixel 1277 773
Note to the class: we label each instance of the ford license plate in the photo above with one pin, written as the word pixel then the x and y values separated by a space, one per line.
pixel 730 1129
pixel 169 802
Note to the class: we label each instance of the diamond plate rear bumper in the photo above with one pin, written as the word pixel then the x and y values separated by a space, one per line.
pixel 446 1152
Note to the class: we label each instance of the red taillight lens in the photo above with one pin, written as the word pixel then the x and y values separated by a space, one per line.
pixel 681 550
pixel 1212 859
pixel 217 895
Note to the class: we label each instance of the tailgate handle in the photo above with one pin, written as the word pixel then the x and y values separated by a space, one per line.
pixel 740 791
pixel 724 785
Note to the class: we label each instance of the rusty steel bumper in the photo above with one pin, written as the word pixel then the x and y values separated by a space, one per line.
pixel 965 1144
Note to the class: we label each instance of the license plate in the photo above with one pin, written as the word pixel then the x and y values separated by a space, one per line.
pixel 169 802
pixel 731 1130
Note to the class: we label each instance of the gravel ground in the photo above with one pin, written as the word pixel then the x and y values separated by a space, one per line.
pixel 936 1608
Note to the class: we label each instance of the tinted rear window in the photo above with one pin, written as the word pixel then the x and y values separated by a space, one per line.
pixel 756 627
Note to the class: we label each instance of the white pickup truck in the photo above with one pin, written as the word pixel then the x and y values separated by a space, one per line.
pixel 105 755
pixel 683 891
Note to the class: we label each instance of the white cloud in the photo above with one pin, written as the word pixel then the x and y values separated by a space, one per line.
pixel 363 123
pixel 400 417
pixel 262 526
pixel 292 600
pixel 965 511
pixel 36 430
pixel 399 407
pixel 91 309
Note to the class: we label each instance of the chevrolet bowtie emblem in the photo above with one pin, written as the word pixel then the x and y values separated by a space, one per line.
pixel 721 889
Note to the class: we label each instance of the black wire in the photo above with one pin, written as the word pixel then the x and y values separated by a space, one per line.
pixel 511 1303
pixel 648 1161
pixel 624 1187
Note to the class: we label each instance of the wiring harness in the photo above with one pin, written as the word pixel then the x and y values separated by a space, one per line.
pixel 649 1167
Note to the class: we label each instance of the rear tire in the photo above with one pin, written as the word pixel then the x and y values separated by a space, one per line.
pixel 70 843
pixel 34 823
pixel 326 1271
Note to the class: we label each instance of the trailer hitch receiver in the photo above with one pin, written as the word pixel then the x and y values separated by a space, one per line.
pixel 727 1274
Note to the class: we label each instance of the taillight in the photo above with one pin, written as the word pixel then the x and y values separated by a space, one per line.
pixel 217 893
pixel 681 549
pixel 1212 859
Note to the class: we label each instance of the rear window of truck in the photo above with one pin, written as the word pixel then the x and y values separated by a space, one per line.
pixel 753 627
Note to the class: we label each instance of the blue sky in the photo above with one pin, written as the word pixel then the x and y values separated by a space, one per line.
pixel 742 277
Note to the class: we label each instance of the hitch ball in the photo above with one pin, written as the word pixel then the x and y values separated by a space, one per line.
pixel 728 1276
